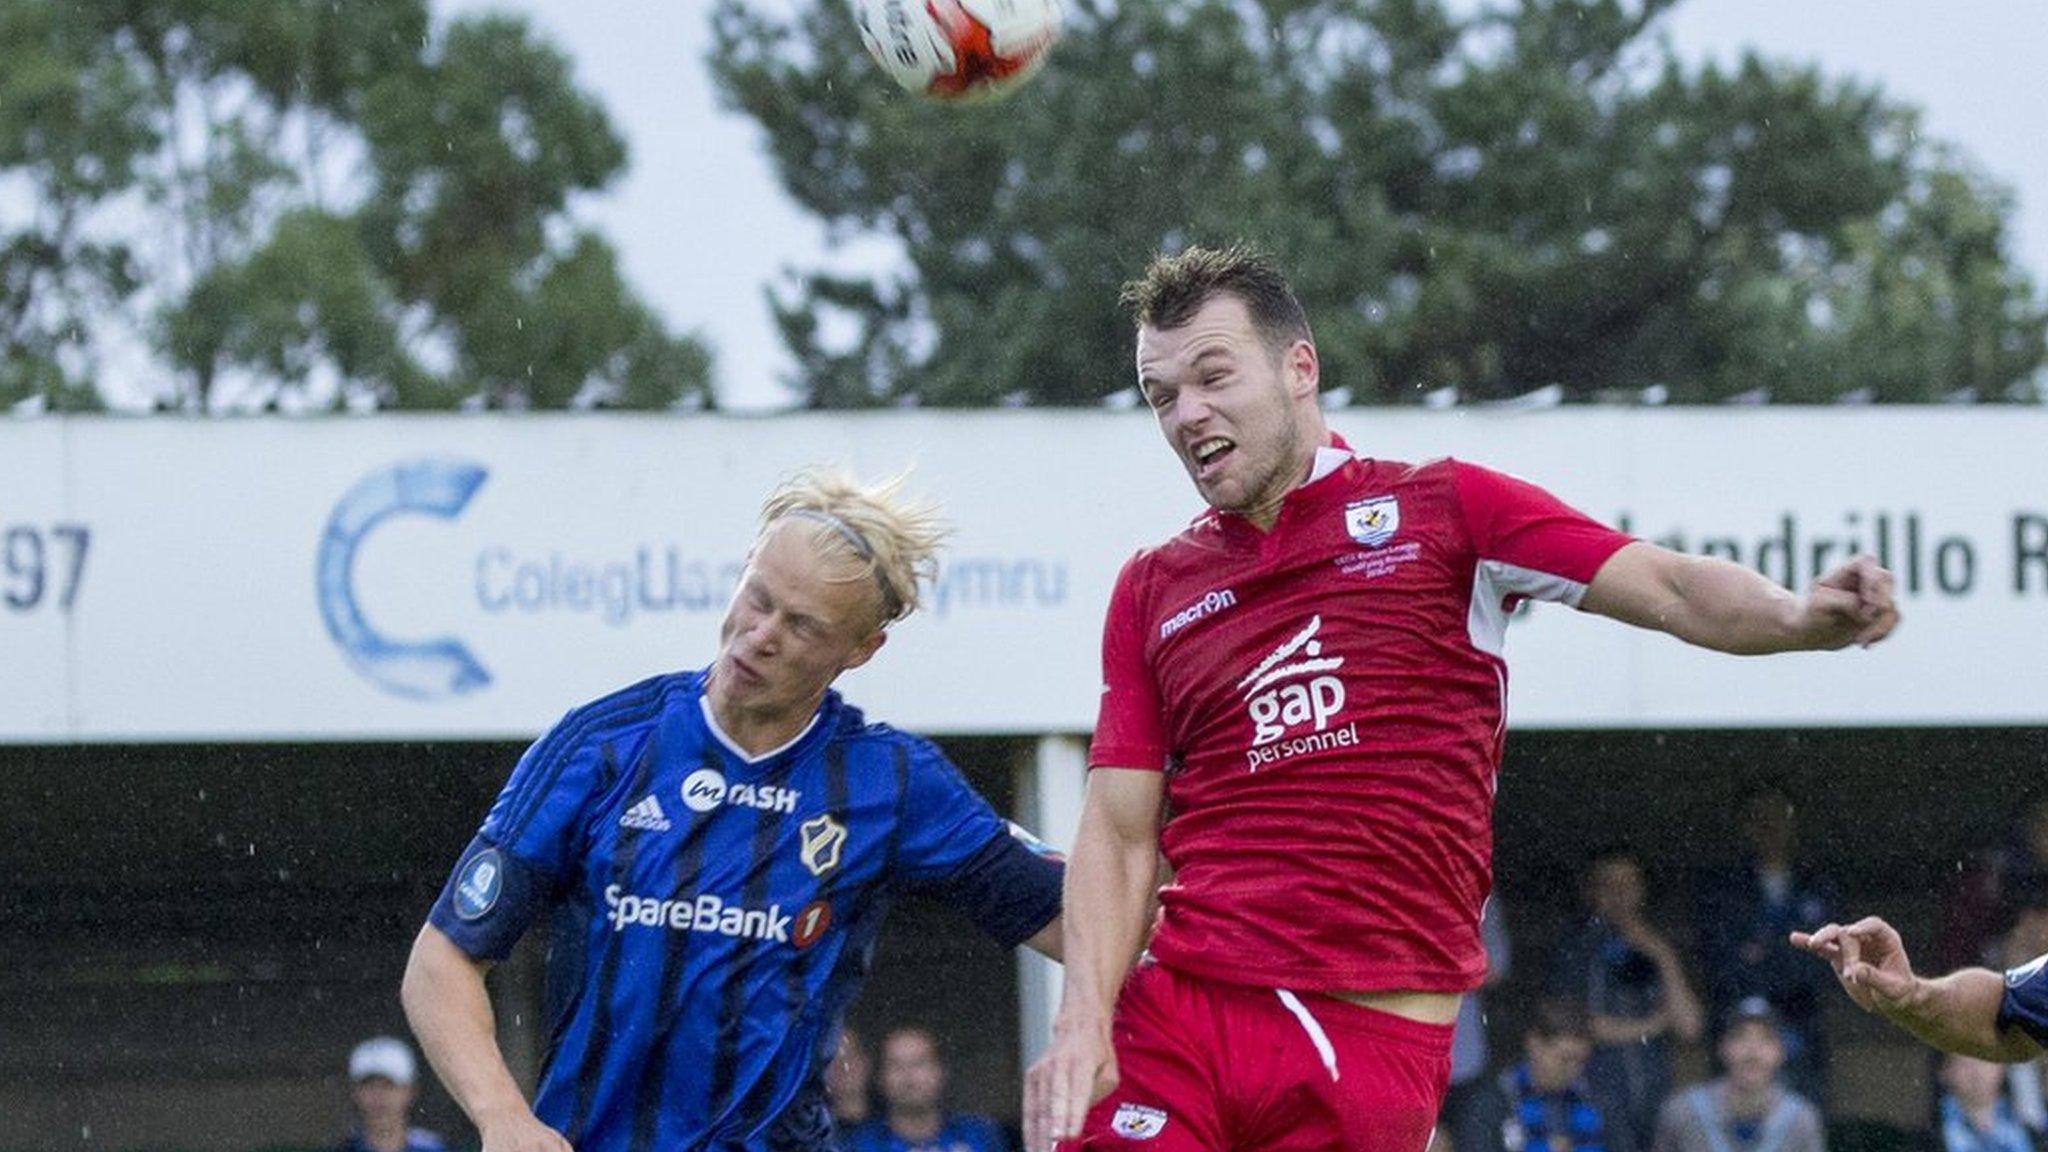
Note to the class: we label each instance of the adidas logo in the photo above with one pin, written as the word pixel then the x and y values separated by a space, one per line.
pixel 646 816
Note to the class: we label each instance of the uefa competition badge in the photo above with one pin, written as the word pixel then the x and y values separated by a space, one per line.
pixel 482 882
pixel 1373 522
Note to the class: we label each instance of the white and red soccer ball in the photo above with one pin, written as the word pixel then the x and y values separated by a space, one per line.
pixel 958 49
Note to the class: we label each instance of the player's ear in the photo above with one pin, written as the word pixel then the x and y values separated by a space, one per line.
pixel 1304 368
pixel 866 650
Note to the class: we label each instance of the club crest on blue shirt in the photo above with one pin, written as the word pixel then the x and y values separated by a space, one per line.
pixel 1137 1121
pixel 823 837
pixel 1373 522
pixel 482 880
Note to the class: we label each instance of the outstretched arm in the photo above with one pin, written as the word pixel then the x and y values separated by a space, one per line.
pixel 450 1011
pixel 1720 605
pixel 1955 1013
pixel 1110 880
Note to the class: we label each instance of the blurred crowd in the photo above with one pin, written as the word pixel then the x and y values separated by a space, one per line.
pixel 1592 1067
pixel 1580 1055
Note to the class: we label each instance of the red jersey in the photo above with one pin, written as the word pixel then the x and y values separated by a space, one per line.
pixel 1328 700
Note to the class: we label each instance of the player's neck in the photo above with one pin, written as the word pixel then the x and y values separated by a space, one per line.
pixel 757 732
pixel 1266 513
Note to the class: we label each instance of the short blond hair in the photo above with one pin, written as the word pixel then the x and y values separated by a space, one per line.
pixel 894 538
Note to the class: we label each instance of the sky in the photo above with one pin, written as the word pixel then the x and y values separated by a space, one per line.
pixel 704 227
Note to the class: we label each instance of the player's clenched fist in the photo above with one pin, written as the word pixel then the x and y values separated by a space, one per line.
pixel 1852 605
pixel 1078 1070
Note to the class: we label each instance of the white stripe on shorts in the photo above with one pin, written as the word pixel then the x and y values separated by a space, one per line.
pixel 1316 1035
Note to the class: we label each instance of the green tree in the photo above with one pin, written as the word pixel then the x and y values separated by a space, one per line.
pixel 1533 194
pixel 302 201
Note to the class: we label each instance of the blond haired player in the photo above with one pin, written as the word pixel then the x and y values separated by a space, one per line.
pixel 725 843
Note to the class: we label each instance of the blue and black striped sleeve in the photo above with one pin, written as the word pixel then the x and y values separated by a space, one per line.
pixel 527 847
pixel 954 846
pixel 2025 1003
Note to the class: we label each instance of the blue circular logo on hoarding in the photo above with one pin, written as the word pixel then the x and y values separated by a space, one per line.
pixel 422 669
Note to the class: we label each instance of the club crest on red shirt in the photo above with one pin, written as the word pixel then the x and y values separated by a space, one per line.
pixel 1373 522
pixel 1137 1121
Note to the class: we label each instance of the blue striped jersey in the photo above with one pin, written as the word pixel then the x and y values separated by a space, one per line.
pixel 716 913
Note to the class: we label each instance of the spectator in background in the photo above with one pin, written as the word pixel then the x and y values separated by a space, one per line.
pixel 383 1079
pixel 1468 1122
pixel 849 1083
pixel 1974 1114
pixel 1545 1103
pixel 914 1117
pixel 1746 1110
pixel 1632 984
pixel 1981 904
pixel 1746 916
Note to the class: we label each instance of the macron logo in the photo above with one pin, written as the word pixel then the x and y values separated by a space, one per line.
pixel 1202 609
pixel 705 913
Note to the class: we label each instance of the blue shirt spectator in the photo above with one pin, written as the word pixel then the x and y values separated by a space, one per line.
pixel 1630 980
pixel 1745 915
pixel 912 1079
pixel 961 1132
pixel 1975 1116
pixel 1545 1103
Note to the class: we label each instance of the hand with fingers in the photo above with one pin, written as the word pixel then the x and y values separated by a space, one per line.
pixel 1869 959
pixel 1851 604
pixel 1079 1069
pixel 519 1130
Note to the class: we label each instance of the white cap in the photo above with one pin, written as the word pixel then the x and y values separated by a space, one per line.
pixel 385 1056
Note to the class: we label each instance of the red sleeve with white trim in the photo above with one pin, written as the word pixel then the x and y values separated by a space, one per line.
pixel 1130 727
pixel 1545 548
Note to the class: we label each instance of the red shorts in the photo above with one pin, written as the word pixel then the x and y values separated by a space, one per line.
pixel 1212 1067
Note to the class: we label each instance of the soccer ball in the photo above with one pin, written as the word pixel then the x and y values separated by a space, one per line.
pixel 958 49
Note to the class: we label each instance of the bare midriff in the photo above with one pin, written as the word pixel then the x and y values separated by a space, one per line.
pixel 1427 1007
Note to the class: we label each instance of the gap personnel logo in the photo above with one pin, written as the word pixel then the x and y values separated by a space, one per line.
pixel 823 838
pixel 1291 689
pixel 481 883
pixel 1373 522
pixel 708 914
pixel 418 669
pixel 1202 609
pixel 706 789
pixel 1138 1121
